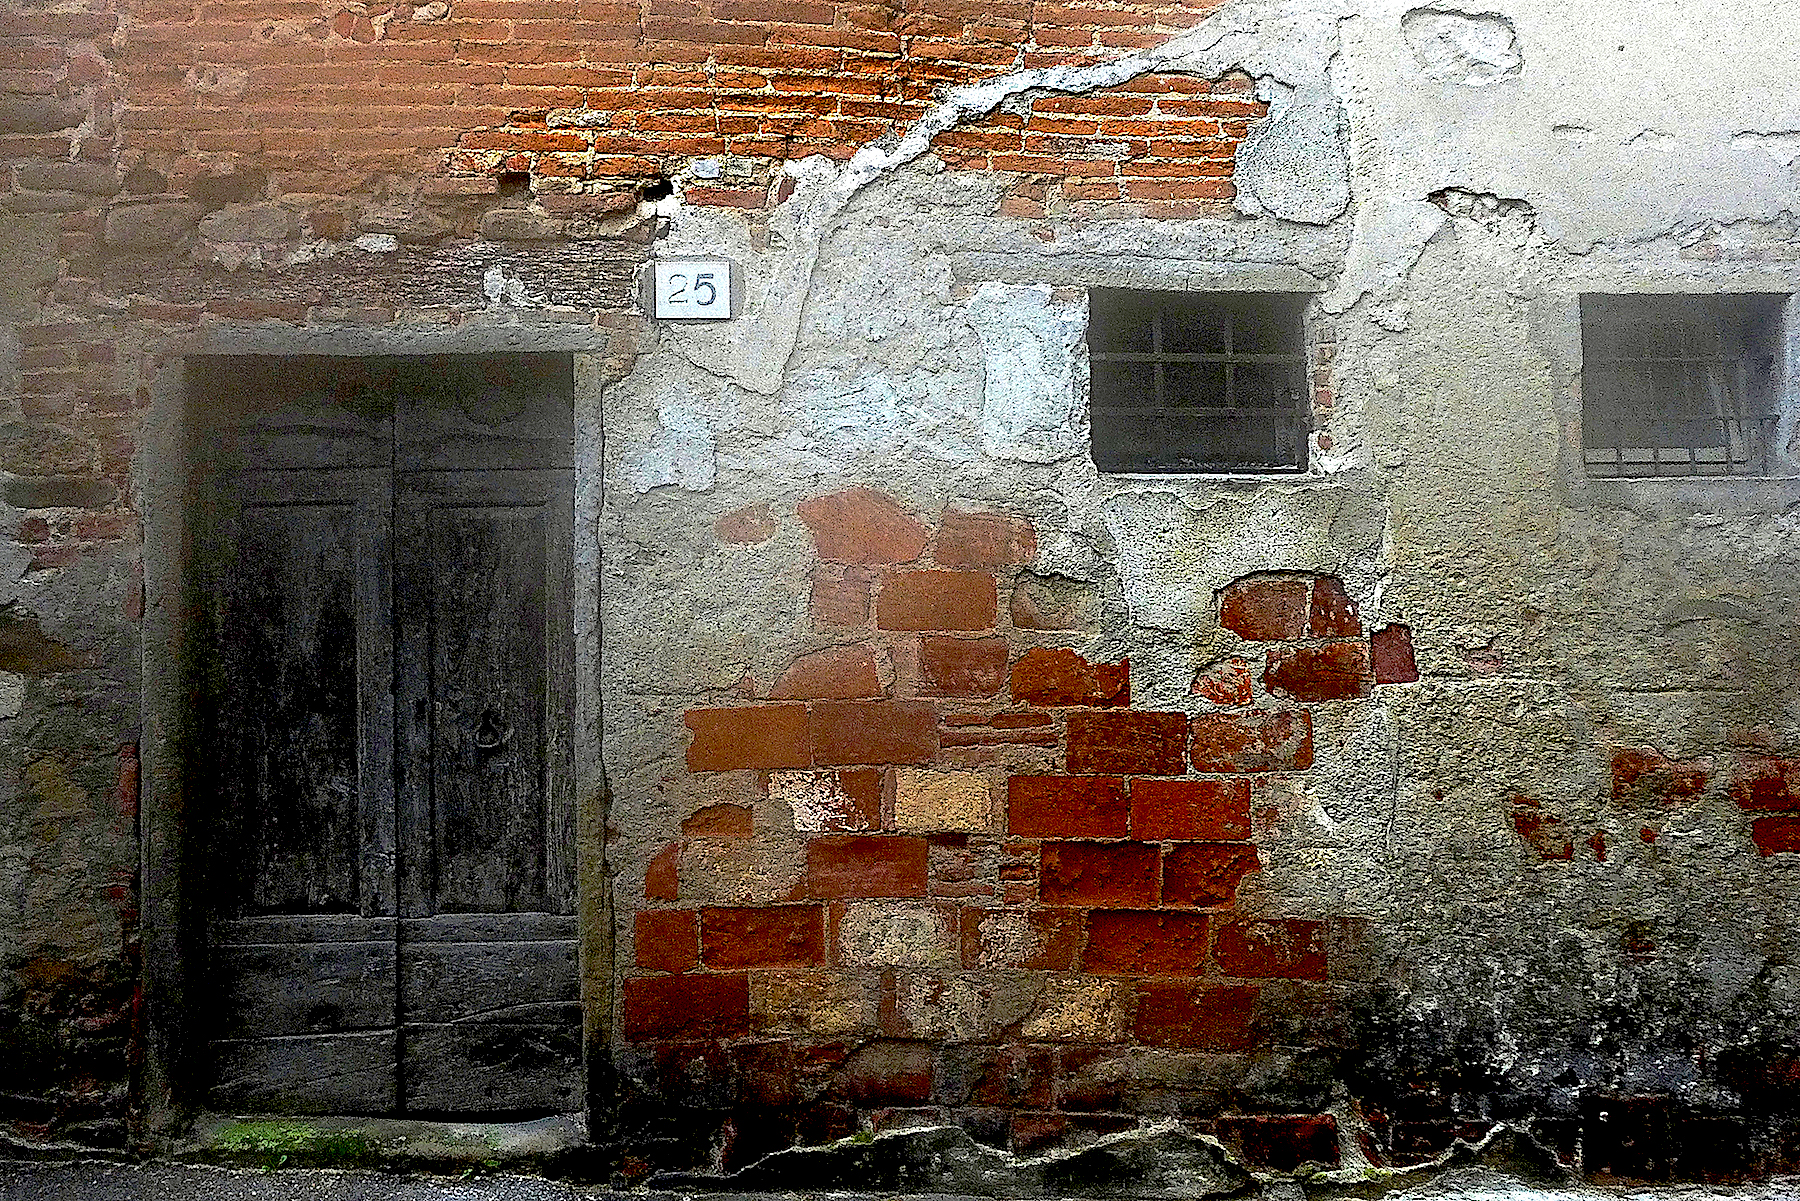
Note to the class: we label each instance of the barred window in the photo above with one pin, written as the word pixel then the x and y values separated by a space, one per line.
pixel 1679 385
pixel 1184 381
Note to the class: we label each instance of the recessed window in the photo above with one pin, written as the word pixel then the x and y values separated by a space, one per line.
pixel 1679 385
pixel 1184 381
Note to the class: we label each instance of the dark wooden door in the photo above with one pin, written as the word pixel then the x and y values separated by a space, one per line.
pixel 388 736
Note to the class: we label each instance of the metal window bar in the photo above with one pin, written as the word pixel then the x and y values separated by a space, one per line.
pixel 1683 413
pixel 1165 434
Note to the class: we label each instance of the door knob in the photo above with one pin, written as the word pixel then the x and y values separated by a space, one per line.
pixel 493 731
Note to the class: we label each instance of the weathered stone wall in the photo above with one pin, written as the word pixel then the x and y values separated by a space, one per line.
pixel 1336 817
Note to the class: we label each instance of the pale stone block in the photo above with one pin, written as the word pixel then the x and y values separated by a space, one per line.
pixel 818 1002
pixel 1079 1009
pixel 885 934
pixel 930 801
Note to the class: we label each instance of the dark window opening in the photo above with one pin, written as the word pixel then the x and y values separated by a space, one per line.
pixel 1197 382
pixel 1679 385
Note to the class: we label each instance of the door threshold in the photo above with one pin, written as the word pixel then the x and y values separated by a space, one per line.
pixel 274 1141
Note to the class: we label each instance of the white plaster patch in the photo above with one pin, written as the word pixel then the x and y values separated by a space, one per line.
pixel 874 934
pixel 1781 145
pixel 880 414
pixel 1391 233
pixel 818 801
pixel 1029 352
pixel 12 694
pixel 680 452
pixel 1476 49
pixel 378 243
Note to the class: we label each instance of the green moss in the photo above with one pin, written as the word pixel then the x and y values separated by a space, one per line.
pixel 276 1144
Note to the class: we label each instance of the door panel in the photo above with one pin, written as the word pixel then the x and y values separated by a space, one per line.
pixel 389 738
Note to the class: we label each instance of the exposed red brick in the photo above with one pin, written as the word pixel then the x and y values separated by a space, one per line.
pixel 1038 940
pixel 752 523
pixel 1391 652
pixel 1205 874
pixel 1066 807
pixel 937 600
pixel 1766 782
pixel 1227 682
pixel 1332 671
pixel 1644 775
pixel 1286 949
pixel 1776 835
pixel 962 666
pixel 1333 614
pixel 764 936
pixel 1173 810
pixel 1256 740
pixel 665 940
pixel 1119 874
pixel 889 1073
pixel 1265 608
pixel 1180 1013
pixel 1281 1143
pixel 1062 677
pixel 840 866
pixel 660 879
pixel 1544 832
pixel 720 821
pixel 1129 743
pixel 768 736
pixel 840 596
pixel 1136 943
pixel 838 672
pixel 686 1007
pixel 849 732
pixel 985 540
pixel 862 526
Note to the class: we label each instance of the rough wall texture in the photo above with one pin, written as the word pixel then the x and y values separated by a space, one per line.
pixel 1336 818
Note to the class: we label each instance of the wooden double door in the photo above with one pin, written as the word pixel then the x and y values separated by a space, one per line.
pixel 384 732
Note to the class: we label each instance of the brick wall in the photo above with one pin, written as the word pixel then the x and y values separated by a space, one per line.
pixel 986 880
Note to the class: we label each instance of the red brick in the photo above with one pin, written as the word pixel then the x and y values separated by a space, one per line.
pixel 838 673
pixel 990 939
pixel 962 666
pixel 1002 729
pixel 851 732
pixel 862 526
pixel 1136 943
pixel 1205 874
pixel 1331 671
pixel 1776 835
pixel 855 802
pixel 889 1073
pixel 1226 682
pixel 752 523
pixel 666 941
pixel 1334 613
pixel 687 1007
pixel 1391 650
pixel 1282 1143
pixel 1284 949
pixel 720 821
pixel 1178 1013
pixel 840 866
pixel 1120 874
pixel 661 878
pixel 1265 608
pixel 840 596
pixel 767 736
pixel 1066 807
pixel 985 539
pixel 1544 832
pixel 765 936
pixel 1174 810
pixel 1765 782
pixel 1062 677
pixel 1256 740
pixel 1129 743
pixel 1645 775
pixel 937 600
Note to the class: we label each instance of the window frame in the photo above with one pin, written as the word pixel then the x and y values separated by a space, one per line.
pixel 1230 302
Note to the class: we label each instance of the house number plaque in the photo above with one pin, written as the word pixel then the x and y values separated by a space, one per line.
pixel 693 288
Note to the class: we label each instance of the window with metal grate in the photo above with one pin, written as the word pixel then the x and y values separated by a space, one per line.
pixel 1200 382
pixel 1679 385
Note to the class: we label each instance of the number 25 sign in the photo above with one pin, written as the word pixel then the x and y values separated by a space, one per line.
pixel 693 288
